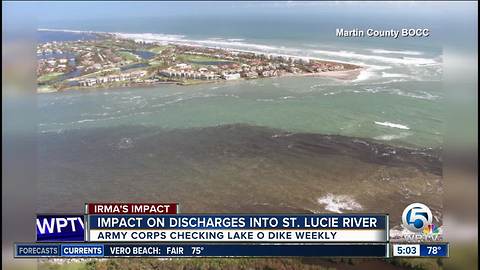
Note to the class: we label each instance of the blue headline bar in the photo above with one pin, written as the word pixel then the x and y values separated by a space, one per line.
pixel 237 221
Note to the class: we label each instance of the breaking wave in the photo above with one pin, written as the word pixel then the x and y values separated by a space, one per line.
pixel 416 61
pixel 390 137
pixel 338 203
pixel 393 75
pixel 382 51
pixel 393 125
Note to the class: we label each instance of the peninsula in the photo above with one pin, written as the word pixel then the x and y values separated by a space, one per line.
pixel 112 61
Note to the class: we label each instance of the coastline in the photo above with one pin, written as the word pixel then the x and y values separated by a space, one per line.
pixel 344 75
pixel 178 40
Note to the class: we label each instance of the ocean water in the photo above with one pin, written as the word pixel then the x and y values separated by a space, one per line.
pixel 47 36
pixel 408 113
pixel 299 144
pixel 397 98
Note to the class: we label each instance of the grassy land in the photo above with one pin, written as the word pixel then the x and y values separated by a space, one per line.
pixel 419 263
pixel 129 56
pixel 157 63
pixel 158 49
pixel 46 89
pixel 110 44
pixel 198 58
pixel 102 72
pixel 462 257
pixel 66 266
pixel 49 76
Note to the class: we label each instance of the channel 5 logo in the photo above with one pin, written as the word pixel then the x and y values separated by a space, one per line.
pixel 416 217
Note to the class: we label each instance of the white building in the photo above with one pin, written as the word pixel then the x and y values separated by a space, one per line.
pixel 232 76
pixel 88 82
pixel 183 66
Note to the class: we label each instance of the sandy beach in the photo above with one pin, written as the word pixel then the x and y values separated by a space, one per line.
pixel 347 75
pixel 343 74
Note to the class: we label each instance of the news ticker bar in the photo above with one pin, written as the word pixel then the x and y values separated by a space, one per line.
pixel 121 250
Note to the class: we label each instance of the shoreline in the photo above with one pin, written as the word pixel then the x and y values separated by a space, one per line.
pixel 344 75
pixel 170 39
pixel 347 75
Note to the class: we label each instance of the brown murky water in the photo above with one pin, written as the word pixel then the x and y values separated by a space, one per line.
pixel 234 169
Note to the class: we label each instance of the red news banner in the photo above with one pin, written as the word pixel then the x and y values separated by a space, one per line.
pixel 131 208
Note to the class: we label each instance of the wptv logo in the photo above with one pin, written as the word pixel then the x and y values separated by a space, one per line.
pixel 58 228
pixel 417 219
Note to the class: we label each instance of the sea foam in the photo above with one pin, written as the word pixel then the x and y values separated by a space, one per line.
pixel 393 125
pixel 338 203
pixel 383 51
pixel 416 61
